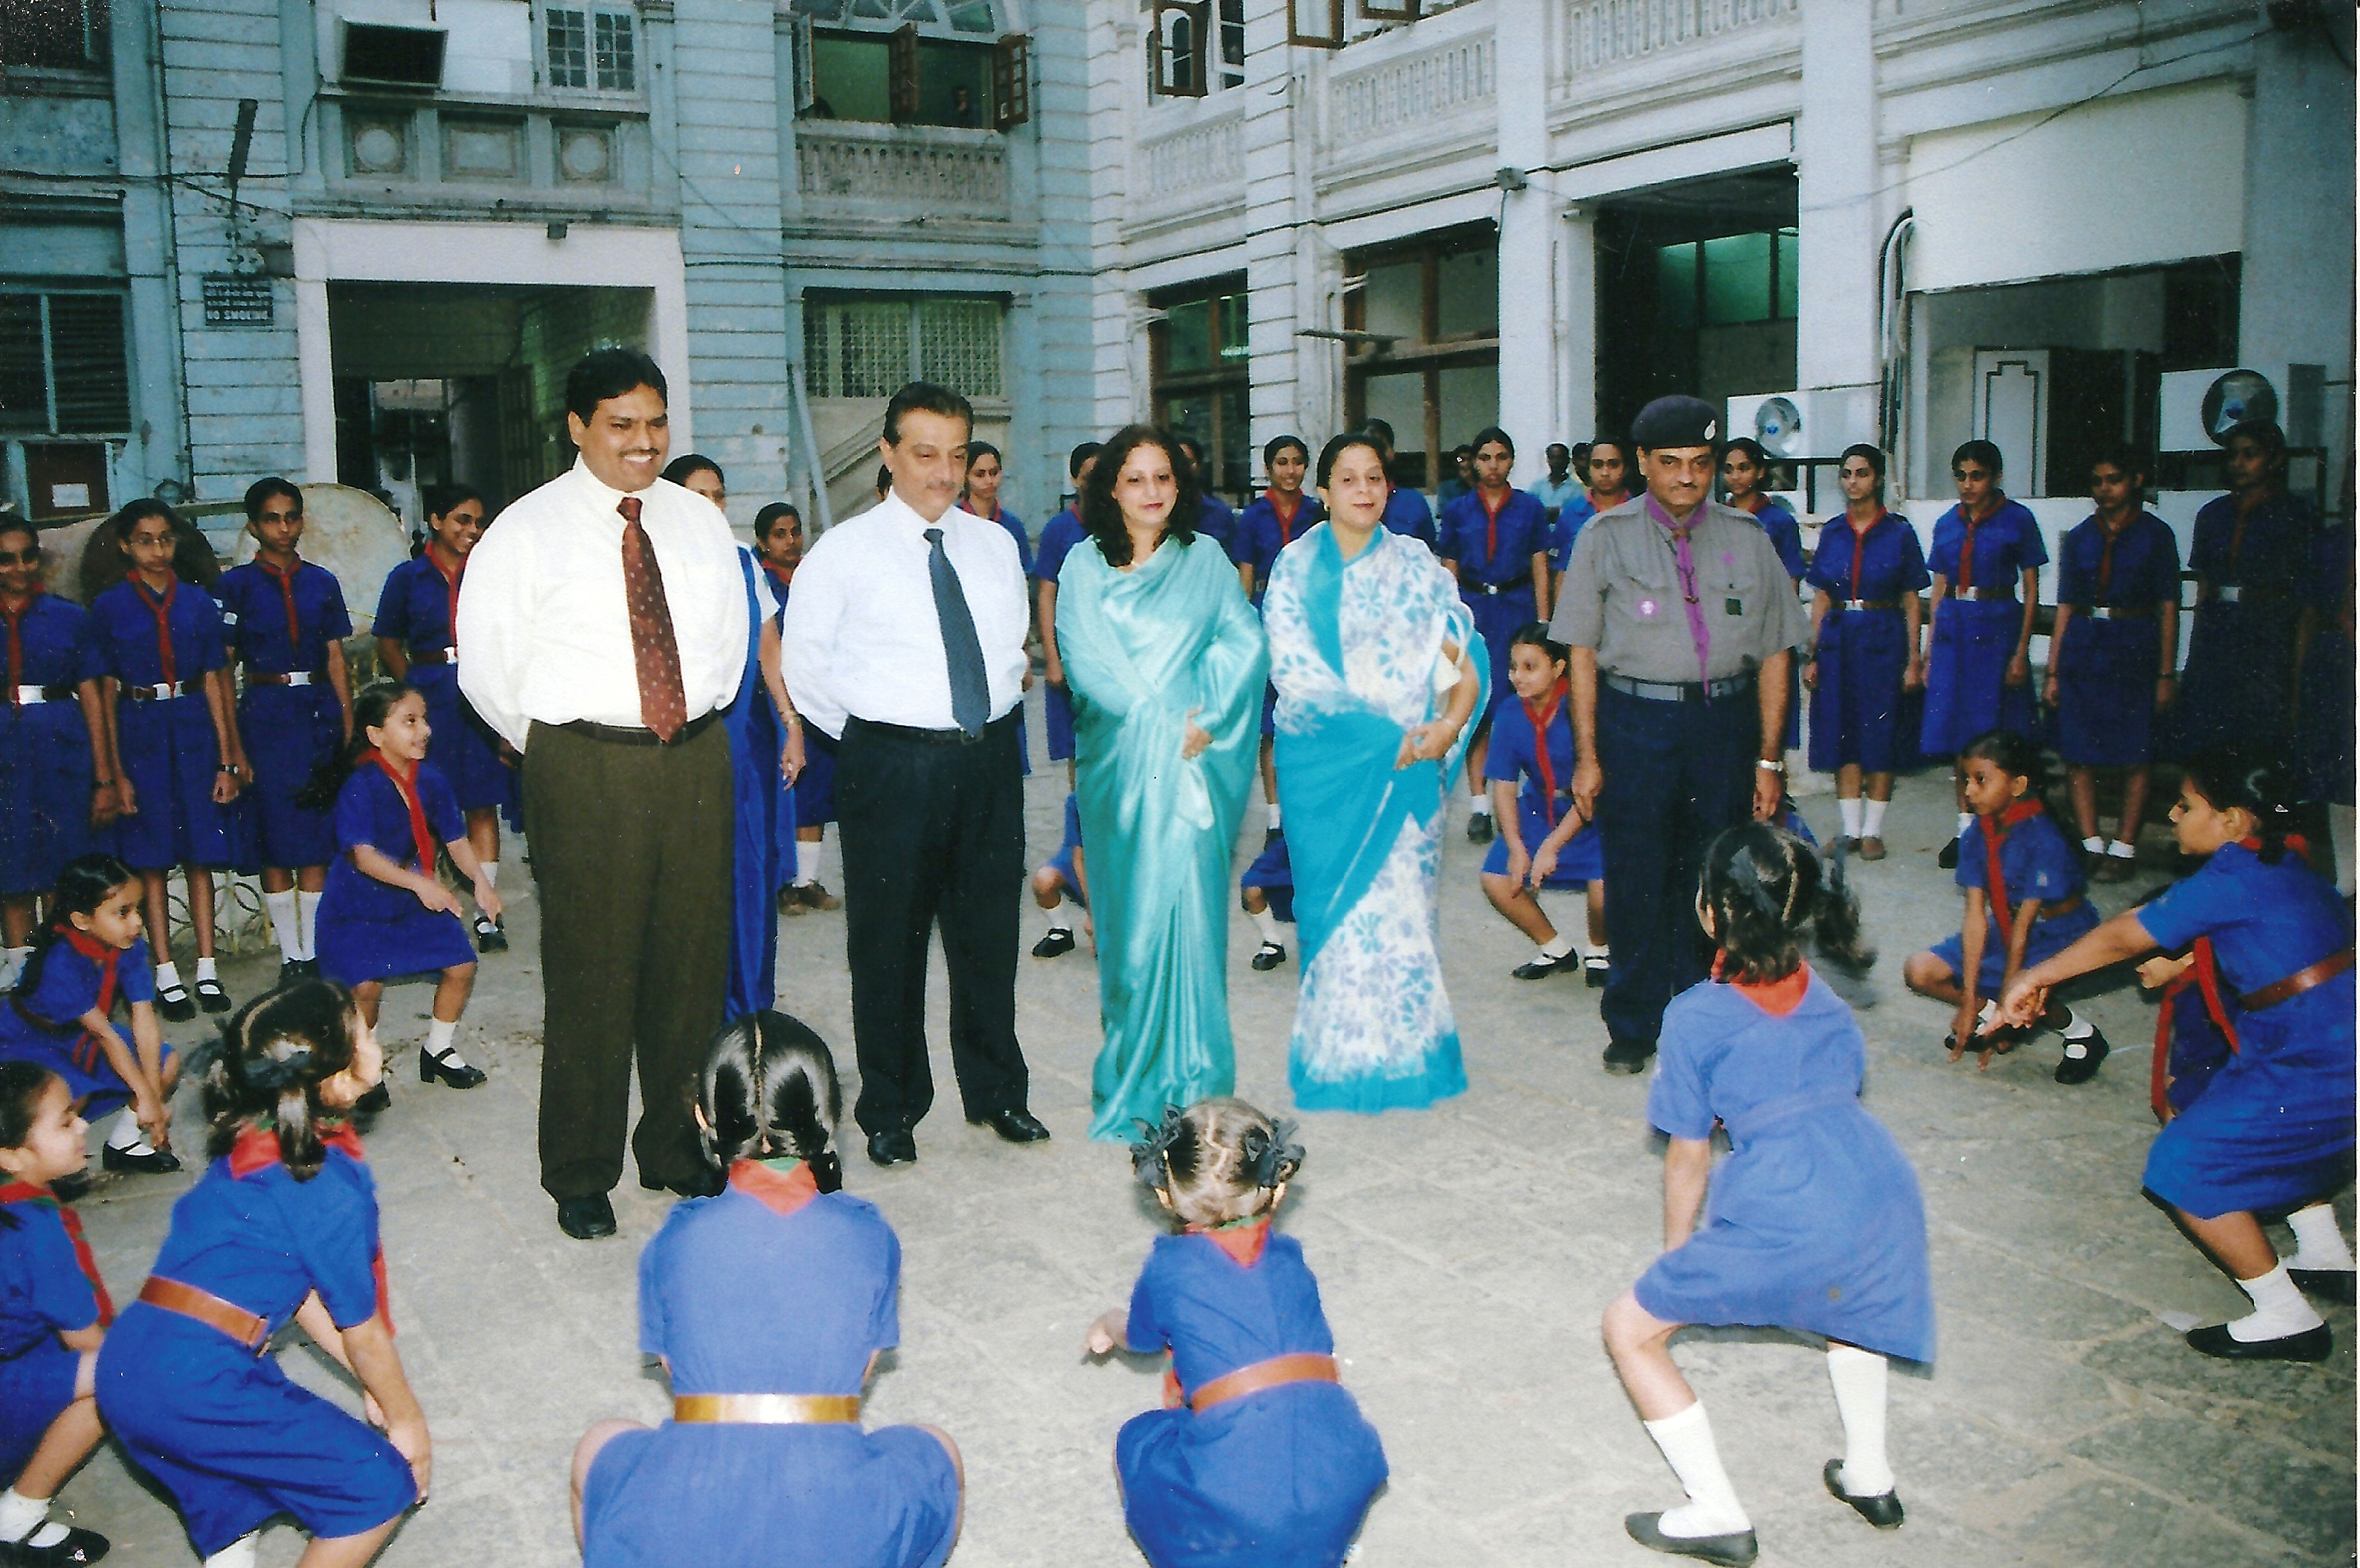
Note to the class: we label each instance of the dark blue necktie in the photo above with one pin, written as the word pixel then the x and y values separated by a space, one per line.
pixel 970 691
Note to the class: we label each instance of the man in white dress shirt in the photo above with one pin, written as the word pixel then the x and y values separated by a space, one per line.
pixel 603 620
pixel 905 639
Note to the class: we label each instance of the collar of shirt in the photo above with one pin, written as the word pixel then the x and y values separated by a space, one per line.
pixel 597 493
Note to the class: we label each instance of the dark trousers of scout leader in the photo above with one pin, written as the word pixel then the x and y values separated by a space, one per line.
pixel 932 826
pixel 633 855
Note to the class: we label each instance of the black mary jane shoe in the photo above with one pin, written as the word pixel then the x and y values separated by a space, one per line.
pixel 894 1146
pixel 1594 972
pixel 1883 1510
pixel 1949 858
pixel 586 1218
pixel 2072 1068
pixel 155 1162
pixel 1269 956
pixel 377 1101
pixel 79 1546
pixel 1543 966
pixel 1734 1551
pixel 491 936
pixel 1479 827
pixel 2311 1344
pixel 1057 944
pixel 211 997
pixel 174 1002
pixel 1016 1125
pixel 2327 1284
pixel 457 1075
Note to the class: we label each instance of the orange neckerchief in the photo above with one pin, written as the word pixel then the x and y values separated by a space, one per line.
pixel 257 1149
pixel 285 580
pixel 162 610
pixel 1995 830
pixel 450 585
pixel 25 1193
pixel 421 837
pixel 780 1192
pixel 1541 718
pixel 17 642
pixel 1243 1243
pixel 1776 997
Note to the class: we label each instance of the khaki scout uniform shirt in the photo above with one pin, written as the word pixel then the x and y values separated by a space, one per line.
pixel 1622 595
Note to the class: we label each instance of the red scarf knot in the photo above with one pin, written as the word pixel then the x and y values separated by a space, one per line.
pixel 1995 830
pixel 25 1193
pixel 421 837
pixel 285 580
pixel 161 608
pixel 109 959
pixel 1244 1241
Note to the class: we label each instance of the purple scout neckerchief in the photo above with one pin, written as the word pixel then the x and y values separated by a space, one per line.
pixel 1697 631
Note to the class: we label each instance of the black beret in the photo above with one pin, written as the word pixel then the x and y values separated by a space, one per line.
pixel 1675 422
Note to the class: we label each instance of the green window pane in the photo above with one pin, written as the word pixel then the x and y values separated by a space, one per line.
pixel 1790 273
pixel 1737 279
pixel 1187 336
pixel 1675 288
pixel 1467 294
pixel 1232 317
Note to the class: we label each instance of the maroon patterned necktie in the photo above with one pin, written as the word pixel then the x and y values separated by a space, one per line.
pixel 663 705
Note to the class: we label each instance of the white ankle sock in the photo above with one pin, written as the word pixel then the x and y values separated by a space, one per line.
pixel 2077 1029
pixel 238 1553
pixel 125 1133
pixel 491 872
pixel 1273 814
pixel 1479 804
pixel 2095 845
pixel 1061 922
pixel 284 924
pixel 1558 945
pixel 2278 1309
pixel 307 924
pixel 807 863
pixel 167 975
pixel 1966 820
pixel 1266 921
pixel 1712 1509
pixel 20 1516
pixel 2122 851
pixel 1857 1376
pixel 2319 1240
pixel 1850 811
pixel 439 1036
pixel 1596 955
pixel 205 971
pixel 1872 823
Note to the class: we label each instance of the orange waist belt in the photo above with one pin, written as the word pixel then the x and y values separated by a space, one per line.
pixel 1305 1367
pixel 767 1409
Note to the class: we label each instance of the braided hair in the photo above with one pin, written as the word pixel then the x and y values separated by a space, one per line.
pixel 2233 778
pixel 1763 888
pixel 1218 1162
pixel 769 1088
pixel 84 884
pixel 274 1054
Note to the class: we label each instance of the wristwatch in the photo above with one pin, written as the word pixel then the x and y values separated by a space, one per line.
pixel 1769 767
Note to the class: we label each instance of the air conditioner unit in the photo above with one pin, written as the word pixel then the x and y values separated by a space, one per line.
pixel 2196 408
pixel 384 54
pixel 1803 424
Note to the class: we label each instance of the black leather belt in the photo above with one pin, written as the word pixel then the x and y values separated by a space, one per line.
pixel 630 734
pixel 1986 596
pixel 1680 690
pixel 1489 590
pixel 929 737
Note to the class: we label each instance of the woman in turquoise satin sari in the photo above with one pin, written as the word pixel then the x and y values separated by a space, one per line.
pixel 1164 662
pixel 1378 668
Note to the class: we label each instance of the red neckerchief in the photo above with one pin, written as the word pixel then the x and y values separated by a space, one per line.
pixel 162 610
pixel 784 579
pixel 1995 830
pixel 1243 1243
pixel 420 837
pixel 1776 997
pixel 2295 842
pixel 2203 973
pixel 257 1149
pixel 25 1193
pixel 17 642
pixel 1751 502
pixel 1859 543
pixel 1541 718
pixel 1967 548
pixel 1285 514
pixel 86 1051
pixel 286 582
pixel 2106 558
pixel 1492 523
pixel 2246 509
pixel 781 1192
pixel 451 582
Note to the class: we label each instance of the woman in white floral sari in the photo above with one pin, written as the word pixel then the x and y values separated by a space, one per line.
pixel 1378 668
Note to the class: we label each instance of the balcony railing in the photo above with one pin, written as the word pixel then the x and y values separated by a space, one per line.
pixel 844 165
pixel 1203 157
pixel 1410 93
pixel 1599 34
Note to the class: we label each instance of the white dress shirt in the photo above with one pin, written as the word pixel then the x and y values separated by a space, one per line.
pixel 863 638
pixel 542 623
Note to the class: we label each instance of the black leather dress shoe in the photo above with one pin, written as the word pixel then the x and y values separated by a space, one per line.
pixel 1731 1551
pixel 1629 1056
pixel 895 1146
pixel 1016 1125
pixel 586 1218
pixel 2327 1284
pixel 2072 1068
pixel 1058 942
pixel 1479 827
pixel 155 1162
pixel 1269 956
pixel 462 1075
pixel 174 1002
pixel 79 1546
pixel 491 935
pixel 1542 967
pixel 1594 971
pixel 211 997
pixel 2311 1344
pixel 1883 1510
pixel 375 1102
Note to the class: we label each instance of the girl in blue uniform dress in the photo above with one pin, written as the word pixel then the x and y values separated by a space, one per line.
pixel 385 913
pixel 178 761
pixel 1986 563
pixel 2273 1130
pixel 809 802
pixel 2112 652
pixel 1864 614
pixel 1495 540
pixel 1266 894
pixel 1058 878
pixel 90 958
pixel 984 471
pixel 1744 469
pixel 765 1459
pixel 1544 842
pixel 282 1225
pixel 287 624
pixel 1259 1457
pixel 778 548
pixel 765 750
pixel 2026 898
pixel 2326 659
pixel 53 1315
pixel 1059 535
pixel 2251 556
pixel 1273 521
pixel 1813 1223
pixel 417 642
pixel 55 784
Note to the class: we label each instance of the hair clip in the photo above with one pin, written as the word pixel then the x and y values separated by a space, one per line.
pixel 1266 1158
pixel 1748 876
pixel 1151 1155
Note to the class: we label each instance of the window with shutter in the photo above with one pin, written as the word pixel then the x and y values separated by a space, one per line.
pixel 89 367
pixel 24 368
pixel 867 346
pixel 1011 81
pixel 1177 54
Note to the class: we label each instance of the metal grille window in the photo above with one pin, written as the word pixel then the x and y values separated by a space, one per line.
pixel 869 347
pixel 64 34
pixel 618 65
pixel 64 366
pixel 568 42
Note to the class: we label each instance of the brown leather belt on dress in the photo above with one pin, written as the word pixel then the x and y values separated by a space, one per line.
pixel 2061 906
pixel 161 692
pixel 2296 983
pixel 286 677
pixel 767 1409
pixel 249 1332
pixel 1270 1374
pixel 624 734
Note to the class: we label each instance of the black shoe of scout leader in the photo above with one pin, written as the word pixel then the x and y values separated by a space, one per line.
pixel 1628 1055
pixel 894 1146
pixel 586 1218
pixel 1734 1551
pixel 1016 1125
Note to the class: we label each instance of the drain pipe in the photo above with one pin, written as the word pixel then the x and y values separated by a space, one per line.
pixel 1890 334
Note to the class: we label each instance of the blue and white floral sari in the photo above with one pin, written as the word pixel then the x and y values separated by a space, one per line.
pixel 1361 651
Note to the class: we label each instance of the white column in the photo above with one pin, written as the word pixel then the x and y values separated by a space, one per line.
pixel 1274 153
pixel 314 363
pixel 1576 327
pixel 1529 306
pixel 1835 157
